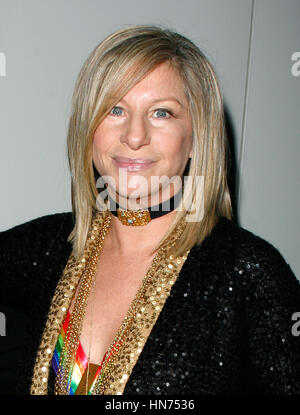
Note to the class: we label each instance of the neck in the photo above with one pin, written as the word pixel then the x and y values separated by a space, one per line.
pixel 123 240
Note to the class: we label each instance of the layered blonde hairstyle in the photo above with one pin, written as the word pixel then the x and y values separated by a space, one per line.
pixel 119 62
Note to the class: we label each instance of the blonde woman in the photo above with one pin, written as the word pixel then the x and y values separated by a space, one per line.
pixel 149 287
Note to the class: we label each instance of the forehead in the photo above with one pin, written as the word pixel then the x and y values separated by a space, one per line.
pixel 163 81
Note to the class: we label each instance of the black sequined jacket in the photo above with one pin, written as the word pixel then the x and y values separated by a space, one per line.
pixel 228 326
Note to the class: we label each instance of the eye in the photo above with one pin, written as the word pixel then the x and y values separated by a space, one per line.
pixel 116 111
pixel 162 113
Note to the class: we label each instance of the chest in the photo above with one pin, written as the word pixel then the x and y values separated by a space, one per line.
pixel 116 285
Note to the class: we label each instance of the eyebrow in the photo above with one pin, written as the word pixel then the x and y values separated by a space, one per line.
pixel 169 99
pixel 164 99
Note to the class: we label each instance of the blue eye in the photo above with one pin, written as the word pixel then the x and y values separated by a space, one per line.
pixel 117 111
pixel 161 113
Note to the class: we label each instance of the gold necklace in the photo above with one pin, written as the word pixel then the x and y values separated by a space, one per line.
pixel 72 336
pixel 90 336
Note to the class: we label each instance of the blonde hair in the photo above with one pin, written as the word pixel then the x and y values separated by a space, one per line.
pixel 119 62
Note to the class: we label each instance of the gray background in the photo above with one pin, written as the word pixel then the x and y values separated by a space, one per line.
pixel 250 43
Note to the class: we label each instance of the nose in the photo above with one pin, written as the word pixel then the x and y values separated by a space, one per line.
pixel 136 133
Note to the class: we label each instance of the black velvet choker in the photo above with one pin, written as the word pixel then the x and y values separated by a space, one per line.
pixel 144 216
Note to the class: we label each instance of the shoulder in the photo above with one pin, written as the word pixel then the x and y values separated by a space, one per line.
pixel 36 232
pixel 247 260
pixel 52 223
pixel 240 238
pixel 232 241
pixel 31 251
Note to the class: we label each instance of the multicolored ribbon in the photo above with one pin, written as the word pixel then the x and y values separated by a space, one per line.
pixel 81 361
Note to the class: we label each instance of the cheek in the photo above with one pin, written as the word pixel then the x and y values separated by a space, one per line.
pixel 99 143
pixel 96 151
pixel 175 147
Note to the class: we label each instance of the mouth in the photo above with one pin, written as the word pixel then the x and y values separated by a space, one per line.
pixel 132 164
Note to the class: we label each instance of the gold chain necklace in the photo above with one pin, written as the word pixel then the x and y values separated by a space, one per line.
pixel 90 336
pixel 72 336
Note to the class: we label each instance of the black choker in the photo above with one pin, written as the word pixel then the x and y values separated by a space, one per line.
pixel 143 216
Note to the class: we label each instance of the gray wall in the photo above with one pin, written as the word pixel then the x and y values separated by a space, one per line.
pixel 43 44
pixel 269 165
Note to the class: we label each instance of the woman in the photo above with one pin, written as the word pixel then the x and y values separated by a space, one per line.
pixel 161 293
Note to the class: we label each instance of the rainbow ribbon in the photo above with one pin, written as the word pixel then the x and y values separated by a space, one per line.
pixel 81 361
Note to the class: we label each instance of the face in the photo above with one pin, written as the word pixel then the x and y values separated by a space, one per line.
pixel 146 139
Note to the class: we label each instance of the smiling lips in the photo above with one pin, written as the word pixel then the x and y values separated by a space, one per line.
pixel 132 164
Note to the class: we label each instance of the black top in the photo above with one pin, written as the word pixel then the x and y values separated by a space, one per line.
pixel 226 327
